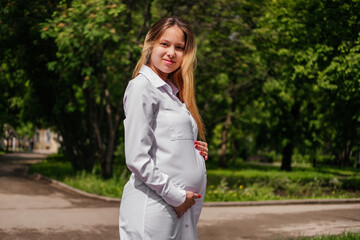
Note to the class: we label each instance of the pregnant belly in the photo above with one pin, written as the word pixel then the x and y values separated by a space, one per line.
pixel 190 173
pixel 193 180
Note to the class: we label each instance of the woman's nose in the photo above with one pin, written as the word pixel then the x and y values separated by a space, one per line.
pixel 171 52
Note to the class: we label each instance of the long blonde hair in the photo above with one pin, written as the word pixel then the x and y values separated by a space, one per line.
pixel 183 77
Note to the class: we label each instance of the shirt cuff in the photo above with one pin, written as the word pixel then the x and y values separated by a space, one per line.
pixel 175 196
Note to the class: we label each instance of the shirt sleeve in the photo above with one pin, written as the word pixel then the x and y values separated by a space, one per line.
pixel 140 105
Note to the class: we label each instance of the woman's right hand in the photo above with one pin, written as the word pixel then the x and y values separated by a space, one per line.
pixel 189 202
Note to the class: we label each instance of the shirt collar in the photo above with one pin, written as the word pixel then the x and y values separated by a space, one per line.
pixel 174 88
pixel 156 80
pixel 152 76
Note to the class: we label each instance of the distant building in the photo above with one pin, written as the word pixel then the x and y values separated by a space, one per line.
pixel 44 140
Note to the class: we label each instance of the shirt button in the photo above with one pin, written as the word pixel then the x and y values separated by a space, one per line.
pixel 186 225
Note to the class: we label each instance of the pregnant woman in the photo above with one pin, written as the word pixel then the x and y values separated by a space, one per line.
pixel 164 196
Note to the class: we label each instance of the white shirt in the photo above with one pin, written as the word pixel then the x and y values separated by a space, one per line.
pixel 159 139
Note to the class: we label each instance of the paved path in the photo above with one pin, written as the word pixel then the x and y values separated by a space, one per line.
pixel 32 209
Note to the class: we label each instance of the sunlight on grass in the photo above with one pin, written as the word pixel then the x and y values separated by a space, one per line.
pixel 95 184
pixel 245 184
pixel 344 236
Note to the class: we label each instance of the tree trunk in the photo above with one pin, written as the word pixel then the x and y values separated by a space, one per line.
pixel 7 144
pixel 358 158
pixel 345 154
pixel 107 153
pixel 107 158
pixel 81 157
pixel 77 142
pixel 286 157
pixel 291 131
pixel 313 157
pixel 107 165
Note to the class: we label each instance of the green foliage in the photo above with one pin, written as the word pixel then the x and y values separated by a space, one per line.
pixel 94 44
pixel 276 81
pixel 229 71
pixel 55 166
pixel 26 130
pixel 351 183
pixel 265 183
pixel 58 167
pixel 260 182
pixel 223 193
pixel 343 236
pixel 304 104
pixel 96 184
pixel 91 37
pixel 12 85
pixel 23 57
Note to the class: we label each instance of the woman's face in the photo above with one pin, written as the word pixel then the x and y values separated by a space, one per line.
pixel 167 53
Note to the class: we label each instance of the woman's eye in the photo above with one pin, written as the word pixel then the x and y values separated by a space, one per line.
pixel 180 48
pixel 163 44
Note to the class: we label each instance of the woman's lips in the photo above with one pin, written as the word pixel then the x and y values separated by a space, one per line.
pixel 168 61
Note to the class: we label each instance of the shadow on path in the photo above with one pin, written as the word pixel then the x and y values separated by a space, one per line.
pixel 17 163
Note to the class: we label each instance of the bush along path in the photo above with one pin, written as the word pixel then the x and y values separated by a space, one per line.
pixel 251 183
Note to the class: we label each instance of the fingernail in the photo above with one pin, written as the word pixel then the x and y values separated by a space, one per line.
pixel 196 142
pixel 200 152
pixel 199 195
pixel 196 146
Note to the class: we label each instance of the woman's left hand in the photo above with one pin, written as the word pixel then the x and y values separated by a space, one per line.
pixel 203 148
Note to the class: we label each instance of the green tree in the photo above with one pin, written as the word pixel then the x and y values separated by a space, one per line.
pixel 340 82
pixel 229 69
pixel 75 67
pixel 230 66
pixel 97 47
pixel 301 41
pixel 22 57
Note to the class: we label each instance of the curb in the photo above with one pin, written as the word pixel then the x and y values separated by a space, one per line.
pixel 64 186
pixel 282 202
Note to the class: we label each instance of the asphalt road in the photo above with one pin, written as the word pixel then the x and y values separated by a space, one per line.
pixel 33 209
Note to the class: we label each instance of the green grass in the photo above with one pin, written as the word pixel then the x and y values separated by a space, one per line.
pixel 273 184
pixel 58 168
pixel 251 182
pixel 344 236
pixel 95 184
